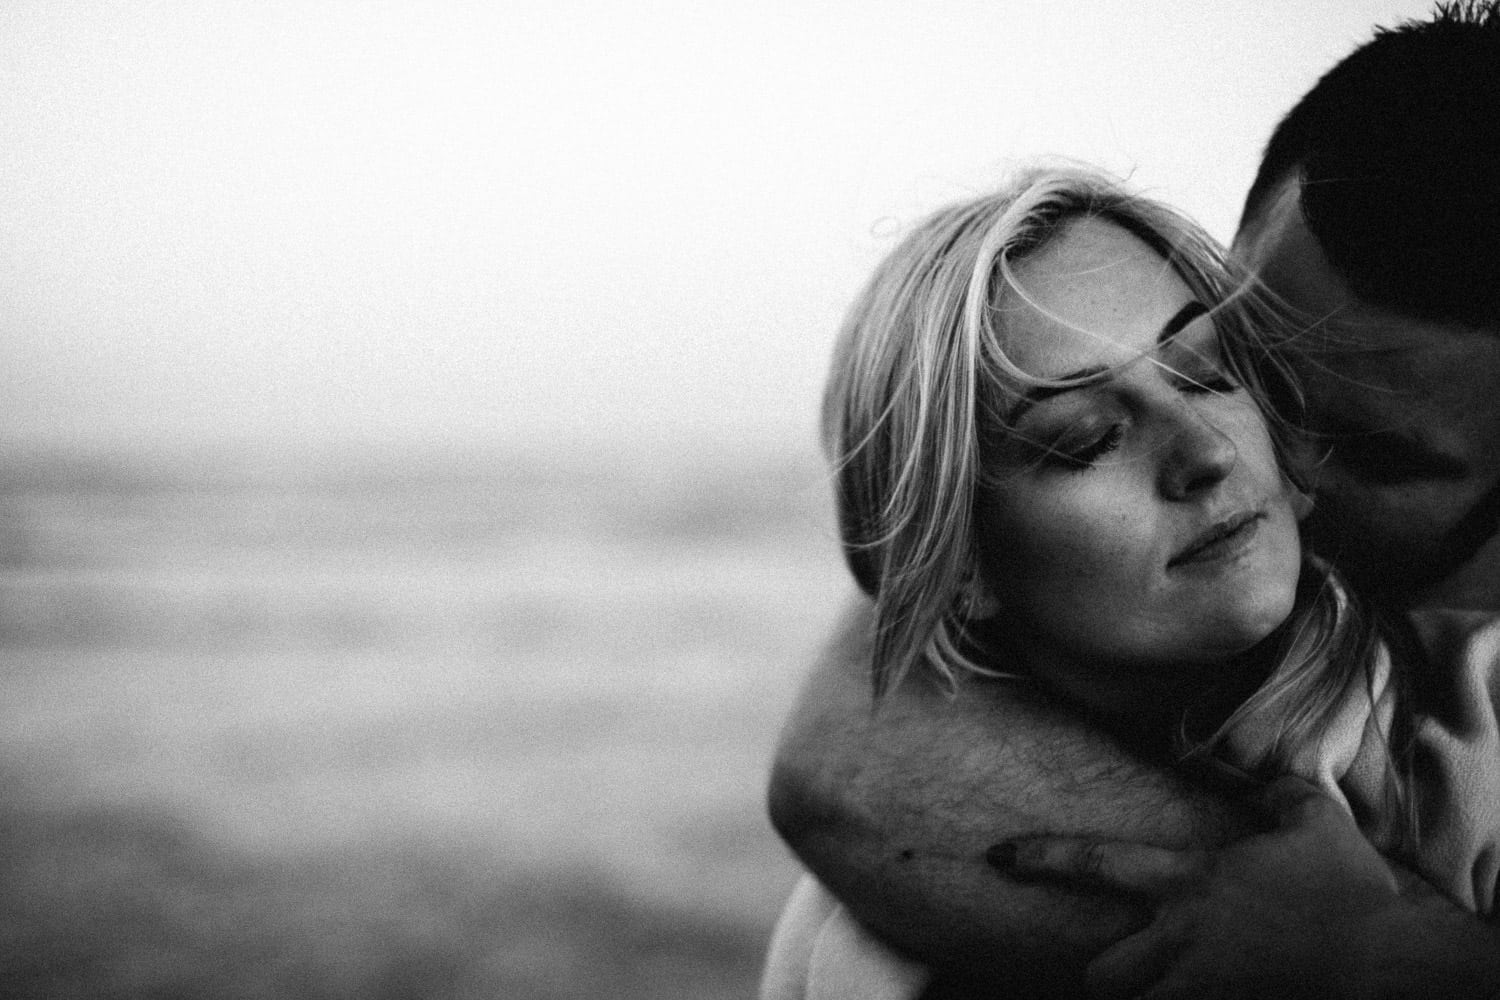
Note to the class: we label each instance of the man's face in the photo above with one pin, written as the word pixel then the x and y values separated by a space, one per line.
pixel 1407 412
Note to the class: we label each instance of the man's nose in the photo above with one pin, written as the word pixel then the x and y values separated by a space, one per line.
pixel 1199 457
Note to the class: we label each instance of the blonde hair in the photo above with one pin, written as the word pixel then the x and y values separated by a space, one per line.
pixel 919 386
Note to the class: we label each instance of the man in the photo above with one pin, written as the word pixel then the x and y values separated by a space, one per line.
pixel 1376 215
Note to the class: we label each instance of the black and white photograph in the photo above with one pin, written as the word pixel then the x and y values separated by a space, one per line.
pixel 783 501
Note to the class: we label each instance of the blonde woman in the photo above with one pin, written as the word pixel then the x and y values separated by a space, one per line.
pixel 1052 465
pixel 1054 471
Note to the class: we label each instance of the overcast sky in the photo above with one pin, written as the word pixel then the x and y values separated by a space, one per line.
pixel 554 221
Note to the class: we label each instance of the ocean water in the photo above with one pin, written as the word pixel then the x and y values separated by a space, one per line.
pixel 399 723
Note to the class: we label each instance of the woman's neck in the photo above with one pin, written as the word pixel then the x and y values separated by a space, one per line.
pixel 1151 705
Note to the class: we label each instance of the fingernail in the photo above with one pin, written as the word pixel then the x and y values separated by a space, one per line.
pixel 1002 856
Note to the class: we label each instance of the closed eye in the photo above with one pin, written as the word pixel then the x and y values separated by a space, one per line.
pixel 1085 456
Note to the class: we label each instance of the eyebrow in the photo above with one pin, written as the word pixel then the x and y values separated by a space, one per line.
pixel 1171 328
pixel 1181 318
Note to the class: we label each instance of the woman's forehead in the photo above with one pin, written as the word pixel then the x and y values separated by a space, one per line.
pixel 1094 295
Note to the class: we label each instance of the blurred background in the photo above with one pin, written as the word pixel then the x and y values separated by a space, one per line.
pixel 411 527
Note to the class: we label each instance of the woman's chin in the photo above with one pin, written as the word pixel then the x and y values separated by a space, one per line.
pixel 1251 624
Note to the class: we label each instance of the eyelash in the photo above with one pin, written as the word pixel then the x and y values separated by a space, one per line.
pixel 1213 381
pixel 1085 457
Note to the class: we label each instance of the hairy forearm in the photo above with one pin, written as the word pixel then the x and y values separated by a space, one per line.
pixel 893 808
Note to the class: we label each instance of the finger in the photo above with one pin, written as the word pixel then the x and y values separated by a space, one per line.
pixel 1117 864
pixel 1130 967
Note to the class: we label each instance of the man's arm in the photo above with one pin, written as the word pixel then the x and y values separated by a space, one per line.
pixel 893 808
pixel 1307 909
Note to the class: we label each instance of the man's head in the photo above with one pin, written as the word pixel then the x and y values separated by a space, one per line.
pixel 1376 216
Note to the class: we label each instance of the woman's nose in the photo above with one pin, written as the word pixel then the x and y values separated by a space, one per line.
pixel 1200 457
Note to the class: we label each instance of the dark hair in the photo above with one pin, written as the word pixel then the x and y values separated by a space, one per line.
pixel 1398 148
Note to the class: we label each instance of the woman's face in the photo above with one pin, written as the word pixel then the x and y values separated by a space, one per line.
pixel 1139 525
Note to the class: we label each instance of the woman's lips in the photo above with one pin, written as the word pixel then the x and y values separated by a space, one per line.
pixel 1226 539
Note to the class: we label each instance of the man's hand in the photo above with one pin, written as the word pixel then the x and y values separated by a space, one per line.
pixel 1308 909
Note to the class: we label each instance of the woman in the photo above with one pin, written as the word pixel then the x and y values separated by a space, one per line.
pixel 1049 468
